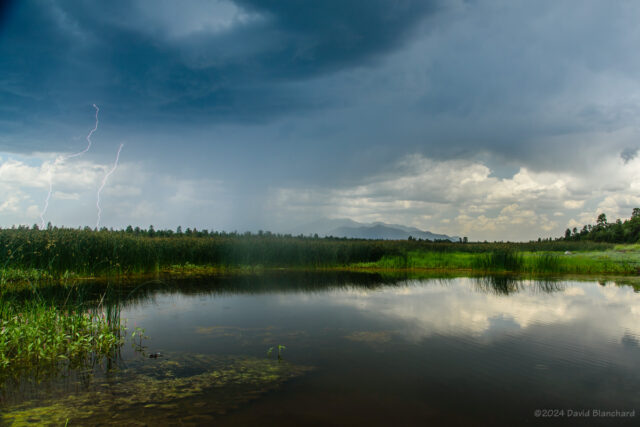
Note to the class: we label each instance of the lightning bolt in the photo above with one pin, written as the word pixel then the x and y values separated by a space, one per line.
pixel 88 138
pixel 104 181
pixel 46 202
pixel 59 160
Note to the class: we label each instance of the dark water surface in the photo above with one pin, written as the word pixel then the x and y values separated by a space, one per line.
pixel 362 350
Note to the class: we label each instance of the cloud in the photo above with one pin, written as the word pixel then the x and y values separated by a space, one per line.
pixel 337 34
pixel 218 60
pixel 4 11
pixel 168 21
pixel 463 197
pixel 11 203
pixel 428 113
pixel 457 197
pixel 341 79
pixel 133 195
pixel 573 204
pixel 628 154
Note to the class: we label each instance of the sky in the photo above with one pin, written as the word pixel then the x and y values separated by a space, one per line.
pixel 496 120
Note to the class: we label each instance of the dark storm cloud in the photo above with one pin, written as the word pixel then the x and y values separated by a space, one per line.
pixel 323 93
pixel 56 56
pixel 309 98
pixel 4 10
pixel 628 154
pixel 317 37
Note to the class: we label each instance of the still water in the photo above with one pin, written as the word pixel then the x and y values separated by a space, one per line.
pixel 296 349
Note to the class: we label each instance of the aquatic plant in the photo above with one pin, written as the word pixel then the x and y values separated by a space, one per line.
pixel 37 336
pixel 137 344
pixel 281 349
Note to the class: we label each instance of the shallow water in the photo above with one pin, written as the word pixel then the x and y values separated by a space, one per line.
pixel 361 350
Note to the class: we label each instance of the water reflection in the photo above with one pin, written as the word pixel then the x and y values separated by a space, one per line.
pixel 505 285
pixel 127 292
pixel 400 344
pixel 458 308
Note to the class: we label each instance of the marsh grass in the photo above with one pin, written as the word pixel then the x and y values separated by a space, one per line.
pixel 10 276
pixel 52 254
pixel 544 263
pixel 624 260
pixel 32 257
pixel 500 260
pixel 427 260
pixel 42 339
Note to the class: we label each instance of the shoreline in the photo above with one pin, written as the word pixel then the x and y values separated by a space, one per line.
pixel 177 273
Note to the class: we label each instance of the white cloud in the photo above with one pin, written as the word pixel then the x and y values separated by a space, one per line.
pixel 65 196
pixel 10 204
pixel 573 204
pixel 462 197
pixel 133 195
pixel 457 197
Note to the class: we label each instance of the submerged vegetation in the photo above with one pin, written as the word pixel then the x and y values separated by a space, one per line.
pixel 154 392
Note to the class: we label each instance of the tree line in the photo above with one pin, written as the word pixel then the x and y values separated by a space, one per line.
pixel 627 231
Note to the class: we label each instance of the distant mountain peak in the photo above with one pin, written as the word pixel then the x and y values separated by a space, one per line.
pixel 344 227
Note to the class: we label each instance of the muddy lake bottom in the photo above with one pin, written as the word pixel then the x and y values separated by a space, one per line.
pixel 356 351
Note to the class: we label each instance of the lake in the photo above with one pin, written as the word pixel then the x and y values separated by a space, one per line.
pixel 294 349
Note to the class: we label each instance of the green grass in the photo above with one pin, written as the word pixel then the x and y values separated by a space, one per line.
pixel 620 260
pixel 612 261
pixel 94 253
pixel 424 260
pixel 32 257
pixel 42 338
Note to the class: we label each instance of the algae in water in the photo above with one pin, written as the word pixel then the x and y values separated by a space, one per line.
pixel 162 391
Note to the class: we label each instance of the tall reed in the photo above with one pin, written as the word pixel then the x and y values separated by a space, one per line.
pixel 505 259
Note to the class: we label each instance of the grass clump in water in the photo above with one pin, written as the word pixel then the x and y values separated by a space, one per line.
pixel 39 337
pixel 547 263
pixel 502 259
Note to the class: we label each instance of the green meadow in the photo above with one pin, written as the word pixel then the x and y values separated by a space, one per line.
pixel 620 259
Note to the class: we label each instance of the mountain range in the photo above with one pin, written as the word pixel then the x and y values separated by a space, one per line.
pixel 357 230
